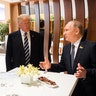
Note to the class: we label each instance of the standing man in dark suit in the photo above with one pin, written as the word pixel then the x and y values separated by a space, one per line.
pixel 84 54
pixel 15 55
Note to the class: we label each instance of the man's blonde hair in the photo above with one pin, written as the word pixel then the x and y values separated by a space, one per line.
pixel 22 17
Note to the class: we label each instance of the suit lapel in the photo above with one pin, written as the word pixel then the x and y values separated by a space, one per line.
pixel 68 56
pixel 19 40
pixel 78 55
pixel 32 44
pixel 31 36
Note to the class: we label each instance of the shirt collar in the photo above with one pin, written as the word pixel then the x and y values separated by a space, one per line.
pixel 77 42
pixel 22 32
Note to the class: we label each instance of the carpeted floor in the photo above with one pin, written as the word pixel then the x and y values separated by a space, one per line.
pixel 2 60
pixel 2 50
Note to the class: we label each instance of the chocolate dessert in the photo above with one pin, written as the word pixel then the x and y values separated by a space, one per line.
pixel 46 80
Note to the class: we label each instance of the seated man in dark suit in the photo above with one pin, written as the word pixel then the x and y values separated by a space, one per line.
pixel 16 53
pixel 84 55
pixel 42 39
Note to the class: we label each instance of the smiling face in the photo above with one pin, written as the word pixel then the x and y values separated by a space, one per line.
pixel 71 32
pixel 24 23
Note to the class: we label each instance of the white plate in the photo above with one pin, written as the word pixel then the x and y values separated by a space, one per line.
pixel 49 85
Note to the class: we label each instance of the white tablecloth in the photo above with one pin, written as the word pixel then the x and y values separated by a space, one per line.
pixel 10 85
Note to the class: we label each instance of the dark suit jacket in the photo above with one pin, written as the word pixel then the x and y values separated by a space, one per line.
pixel 15 51
pixel 86 56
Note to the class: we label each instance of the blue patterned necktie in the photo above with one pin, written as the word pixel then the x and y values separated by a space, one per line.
pixel 26 49
pixel 72 54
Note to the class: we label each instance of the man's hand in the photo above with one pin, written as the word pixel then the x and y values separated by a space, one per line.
pixel 45 64
pixel 81 72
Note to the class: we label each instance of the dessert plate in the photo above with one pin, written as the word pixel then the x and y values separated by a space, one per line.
pixel 48 82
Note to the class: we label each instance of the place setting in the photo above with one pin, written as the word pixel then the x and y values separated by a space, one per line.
pixel 32 76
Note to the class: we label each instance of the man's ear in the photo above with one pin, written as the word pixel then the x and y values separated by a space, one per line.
pixel 77 30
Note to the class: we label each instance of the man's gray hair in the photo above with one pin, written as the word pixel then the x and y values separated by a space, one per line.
pixel 79 25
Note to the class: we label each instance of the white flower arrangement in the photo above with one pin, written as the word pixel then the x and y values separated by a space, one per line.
pixel 28 73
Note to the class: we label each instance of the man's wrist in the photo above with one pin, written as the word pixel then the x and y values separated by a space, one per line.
pixel 85 75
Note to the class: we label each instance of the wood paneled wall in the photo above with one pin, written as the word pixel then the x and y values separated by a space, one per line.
pixel 68 13
pixel 47 26
pixel 80 11
pixel 92 20
pixel 15 9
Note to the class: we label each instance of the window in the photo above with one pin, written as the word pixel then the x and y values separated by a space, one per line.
pixel 2 13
